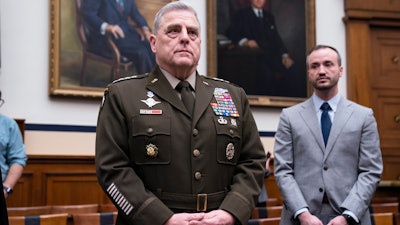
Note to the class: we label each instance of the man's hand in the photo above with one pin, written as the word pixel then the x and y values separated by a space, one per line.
pixel 339 220
pixel 184 218
pixel 5 194
pixel 306 218
pixel 287 61
pixel 215 217
pixel 250 44
pixel 115 30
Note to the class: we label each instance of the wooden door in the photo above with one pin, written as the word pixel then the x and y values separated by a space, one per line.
pixel 385 94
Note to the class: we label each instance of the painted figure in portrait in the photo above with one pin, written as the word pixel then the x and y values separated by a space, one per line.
pixel 261 45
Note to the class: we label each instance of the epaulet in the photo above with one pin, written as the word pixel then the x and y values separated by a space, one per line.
pixel 217 79
pixel 131 77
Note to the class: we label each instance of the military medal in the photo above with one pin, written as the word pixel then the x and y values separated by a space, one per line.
pixel 222 121
pixel 150 102
pixel 224 105
pixel 151 150
pixel 230 151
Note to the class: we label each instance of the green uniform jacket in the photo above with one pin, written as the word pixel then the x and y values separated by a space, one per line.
pixel 153 159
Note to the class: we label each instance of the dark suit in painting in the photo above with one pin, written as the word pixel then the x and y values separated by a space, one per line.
pixel 97 12
pixel 273 74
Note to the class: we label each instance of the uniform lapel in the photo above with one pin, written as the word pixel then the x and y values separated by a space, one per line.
pixel 160 86
pixel 204 94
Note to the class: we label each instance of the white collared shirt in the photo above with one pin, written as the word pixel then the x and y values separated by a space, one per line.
pixel 333 103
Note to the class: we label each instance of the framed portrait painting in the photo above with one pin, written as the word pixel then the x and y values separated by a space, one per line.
pixel 264 51
pixel 76 70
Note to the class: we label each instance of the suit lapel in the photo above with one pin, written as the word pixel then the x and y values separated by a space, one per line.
pixel 311 120
pixel 341 118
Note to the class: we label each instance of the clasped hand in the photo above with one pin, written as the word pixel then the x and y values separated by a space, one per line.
pixel 215 217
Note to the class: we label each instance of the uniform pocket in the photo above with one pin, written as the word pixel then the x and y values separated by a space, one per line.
pixel 151 139
pixel 228 139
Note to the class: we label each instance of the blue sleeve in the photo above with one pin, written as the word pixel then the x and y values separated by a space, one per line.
pixel 17 154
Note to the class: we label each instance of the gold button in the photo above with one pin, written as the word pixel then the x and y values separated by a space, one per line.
pixel 150 130
pixel 196 153
pixel 197 175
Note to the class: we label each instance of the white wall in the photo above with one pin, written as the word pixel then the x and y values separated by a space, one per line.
pixel 25 62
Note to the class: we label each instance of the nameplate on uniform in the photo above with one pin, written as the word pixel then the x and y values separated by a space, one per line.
pixel 151 111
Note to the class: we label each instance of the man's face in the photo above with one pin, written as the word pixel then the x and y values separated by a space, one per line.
pixel 177 42
pixel 259 4
pixel 323 69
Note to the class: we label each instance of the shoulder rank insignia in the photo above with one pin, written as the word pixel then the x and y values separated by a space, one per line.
pixel 217 79
pixel 130 77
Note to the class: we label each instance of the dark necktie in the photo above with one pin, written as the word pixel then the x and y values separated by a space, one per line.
pixel 325 121
pixel 186 95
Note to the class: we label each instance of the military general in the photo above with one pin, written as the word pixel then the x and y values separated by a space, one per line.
pixel 176 147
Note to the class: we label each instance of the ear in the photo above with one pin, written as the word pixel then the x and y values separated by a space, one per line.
pixel 152 41
pixel 341 71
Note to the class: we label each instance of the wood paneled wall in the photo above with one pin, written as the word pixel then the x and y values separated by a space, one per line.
pixel 373 72
pixel 58 180
pixel 65 180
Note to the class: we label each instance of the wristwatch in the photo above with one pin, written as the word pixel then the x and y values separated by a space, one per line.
pixel 8 190
pixel 350 220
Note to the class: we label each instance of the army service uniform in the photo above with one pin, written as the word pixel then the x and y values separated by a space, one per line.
pixel 153 159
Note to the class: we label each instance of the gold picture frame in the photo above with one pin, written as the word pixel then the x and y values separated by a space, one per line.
pixel 260 100
pixel 65 52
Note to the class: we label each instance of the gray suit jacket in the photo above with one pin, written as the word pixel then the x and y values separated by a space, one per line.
pixel 348 170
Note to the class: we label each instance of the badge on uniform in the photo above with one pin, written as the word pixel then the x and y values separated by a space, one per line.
pixel 150 102
pixel 230 151
pixel 151 150
pixel 224 105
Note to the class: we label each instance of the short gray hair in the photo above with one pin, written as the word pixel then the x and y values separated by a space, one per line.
pixel 172 6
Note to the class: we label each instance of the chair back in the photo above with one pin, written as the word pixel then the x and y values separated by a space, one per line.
pixel 104 218
pixel 385 199
pixel 383 218
pixel 392 207
pixel 397 218
pixel 80 26
pixel 107 208
pixel 47 219
pixel 266 212
pixel 29 210
pixel 265 221
pixel 74 209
